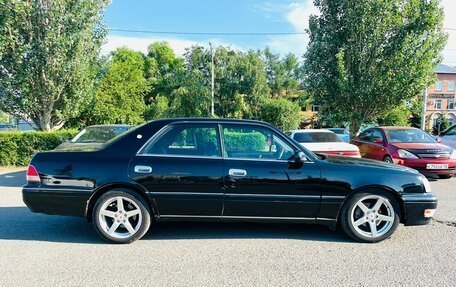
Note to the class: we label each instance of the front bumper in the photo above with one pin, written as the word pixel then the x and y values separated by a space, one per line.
pixel 415 206
pixel 421 163
pixel 56 201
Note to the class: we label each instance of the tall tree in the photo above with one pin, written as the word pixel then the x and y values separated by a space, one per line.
pixel 284 75
pixel 47 54
pixel 120 96
pixel 367 56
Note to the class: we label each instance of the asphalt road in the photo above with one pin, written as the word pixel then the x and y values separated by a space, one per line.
pixel 54 250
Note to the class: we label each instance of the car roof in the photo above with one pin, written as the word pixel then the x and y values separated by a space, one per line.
pixel 311 131
pixel 168 121
pixel 396 128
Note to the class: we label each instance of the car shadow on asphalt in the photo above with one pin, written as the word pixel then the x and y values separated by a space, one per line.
pixel 13 179
pixel 19 223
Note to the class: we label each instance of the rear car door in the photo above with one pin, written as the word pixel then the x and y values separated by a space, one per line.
pixel 260 181
pixel 363 142
pixel 181 168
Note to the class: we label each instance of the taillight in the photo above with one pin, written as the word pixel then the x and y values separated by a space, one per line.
pixel 32 175
pixel 344 153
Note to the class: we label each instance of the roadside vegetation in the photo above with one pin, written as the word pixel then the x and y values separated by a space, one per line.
pixel 367 62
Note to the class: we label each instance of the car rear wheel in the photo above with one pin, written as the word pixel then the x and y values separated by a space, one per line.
pixel 388 159
pixel 121 216
pixel 370 217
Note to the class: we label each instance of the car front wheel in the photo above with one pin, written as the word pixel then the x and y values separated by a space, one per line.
pixel 121 216
pixel 370 217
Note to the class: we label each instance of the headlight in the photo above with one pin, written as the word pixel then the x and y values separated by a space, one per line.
pixel 427 185
pixel 405 154
pixel 453 154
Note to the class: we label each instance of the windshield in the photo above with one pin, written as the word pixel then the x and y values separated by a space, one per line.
pixel 408 136
pixel 99 134
pixel 311 137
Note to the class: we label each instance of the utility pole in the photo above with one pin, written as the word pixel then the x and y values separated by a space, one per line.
pixel 423 112
pixel 212 81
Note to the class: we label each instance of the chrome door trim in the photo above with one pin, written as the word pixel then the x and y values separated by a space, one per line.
pixel 237 217
pixel 143 169
pixel 237 172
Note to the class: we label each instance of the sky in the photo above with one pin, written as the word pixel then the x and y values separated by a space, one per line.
pixel 238 16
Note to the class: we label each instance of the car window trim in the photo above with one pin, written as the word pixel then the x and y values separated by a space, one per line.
pixel 168 126
pixel 285 140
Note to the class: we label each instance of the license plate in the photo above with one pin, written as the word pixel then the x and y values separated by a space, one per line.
pixel 436 166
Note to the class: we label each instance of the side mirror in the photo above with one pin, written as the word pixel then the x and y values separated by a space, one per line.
pixel 378 140
pixel 300 157
pixel 439 140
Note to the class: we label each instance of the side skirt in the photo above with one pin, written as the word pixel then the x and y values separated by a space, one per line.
pixel 331 223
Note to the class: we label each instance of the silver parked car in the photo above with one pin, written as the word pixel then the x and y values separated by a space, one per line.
pixel 448 136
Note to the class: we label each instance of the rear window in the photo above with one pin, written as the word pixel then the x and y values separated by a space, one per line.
pixel 316 137
pixel 338 131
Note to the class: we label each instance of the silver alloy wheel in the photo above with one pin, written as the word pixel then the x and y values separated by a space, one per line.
pixel 120 217
pixel 372 216
pixel 388 159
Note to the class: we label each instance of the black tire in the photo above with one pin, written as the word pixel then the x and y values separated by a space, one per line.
pixel 445 176
pixel 349 206
pixel 387 158
pixel 133 197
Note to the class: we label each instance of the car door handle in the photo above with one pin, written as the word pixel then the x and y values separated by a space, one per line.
pixel 143 169
pixel 237 172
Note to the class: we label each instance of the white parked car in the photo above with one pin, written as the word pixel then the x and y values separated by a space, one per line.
pixel 324 141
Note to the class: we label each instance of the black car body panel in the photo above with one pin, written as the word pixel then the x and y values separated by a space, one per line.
pixel 201 188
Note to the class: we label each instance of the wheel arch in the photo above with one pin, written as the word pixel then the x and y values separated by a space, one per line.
pixel 373 189
pixel 112 186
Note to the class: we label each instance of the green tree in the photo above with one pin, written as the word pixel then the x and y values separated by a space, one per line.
pixel 281 113
pixel 398 116
pixel 284 75
pixel 47 55
pixel 162 56
pixel 120 95
pixel 365 57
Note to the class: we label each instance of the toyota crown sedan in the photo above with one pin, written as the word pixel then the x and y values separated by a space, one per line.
pixel 223 170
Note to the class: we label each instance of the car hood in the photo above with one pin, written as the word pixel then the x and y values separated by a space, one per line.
pixel 421 146
pixel 325 146
pixel 366 163
pixel 70 147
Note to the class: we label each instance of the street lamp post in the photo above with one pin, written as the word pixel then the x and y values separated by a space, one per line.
pixel 423 113
pixel 212 80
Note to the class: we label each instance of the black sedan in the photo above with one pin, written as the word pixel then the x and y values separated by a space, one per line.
pixel 223 170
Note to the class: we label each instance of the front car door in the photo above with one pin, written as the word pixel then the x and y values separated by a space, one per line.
pixel 377 149
pixel 181 168
pixel 260 181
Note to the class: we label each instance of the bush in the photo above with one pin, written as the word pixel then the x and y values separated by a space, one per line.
pixel 17 148
pixel 282 113
pixel 244 142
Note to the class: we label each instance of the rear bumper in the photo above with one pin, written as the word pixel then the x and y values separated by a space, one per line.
pixel 415 206
pixel 54 201
pixel 420 165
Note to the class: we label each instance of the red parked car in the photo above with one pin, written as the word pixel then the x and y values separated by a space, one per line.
pixel 410 147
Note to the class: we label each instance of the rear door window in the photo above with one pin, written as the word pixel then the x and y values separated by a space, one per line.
pixel 365 136
pixel 187 140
